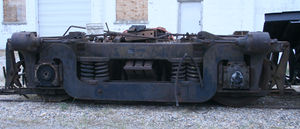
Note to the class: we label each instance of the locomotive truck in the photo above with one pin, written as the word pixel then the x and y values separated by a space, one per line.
pixel 153 65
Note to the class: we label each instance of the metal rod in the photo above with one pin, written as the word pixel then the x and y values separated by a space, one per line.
pixel 107 26
pixel 72 26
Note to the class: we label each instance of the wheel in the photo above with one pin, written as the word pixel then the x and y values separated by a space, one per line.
pixel 239 101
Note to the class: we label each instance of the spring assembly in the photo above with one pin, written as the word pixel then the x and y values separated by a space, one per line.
pixel 178 73
pixel 86 70
pixel 191 72
pixel 94 71
pixel 101 71
pixel 181 73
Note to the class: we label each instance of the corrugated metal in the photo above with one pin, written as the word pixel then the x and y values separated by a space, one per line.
pixel 190 17
pixel 55 16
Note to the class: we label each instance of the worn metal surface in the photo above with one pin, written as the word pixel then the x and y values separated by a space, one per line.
pixel 140 66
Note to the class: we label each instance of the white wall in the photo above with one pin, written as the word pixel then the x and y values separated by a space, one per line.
pixel 226 16
pixel 55 16
pixel 219 16
pixel 161 13
pixel 6 30
pixel 98 11
pixel 268 6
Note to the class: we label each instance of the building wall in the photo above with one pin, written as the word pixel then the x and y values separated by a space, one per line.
pixel 224 17
pixel 219 17
pixel 55 17
pixel 160 13
pixel 6 30
pixel 268 6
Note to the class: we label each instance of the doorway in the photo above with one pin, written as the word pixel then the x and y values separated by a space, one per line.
pixel 190 16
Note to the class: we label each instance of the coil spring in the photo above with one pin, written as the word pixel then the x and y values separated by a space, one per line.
pixel 86 70
pixel 191 73
pixel 101 71
pixel 181 73
pixel 94 71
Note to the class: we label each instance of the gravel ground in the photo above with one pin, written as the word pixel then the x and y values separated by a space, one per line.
pixel 87 114
pixel 81 114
